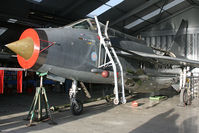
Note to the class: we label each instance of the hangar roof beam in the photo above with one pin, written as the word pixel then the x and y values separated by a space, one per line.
pixel 72 7
pixel 154 13
pixel 136 10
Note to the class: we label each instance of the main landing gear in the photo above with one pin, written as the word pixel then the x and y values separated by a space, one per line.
pixel 185 97
pixel 76 105
pixel 185 91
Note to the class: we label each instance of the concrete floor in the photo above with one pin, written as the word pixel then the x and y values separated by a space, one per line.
pixel 100 117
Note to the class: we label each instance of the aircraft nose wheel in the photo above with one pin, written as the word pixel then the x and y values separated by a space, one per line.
pixel 76 107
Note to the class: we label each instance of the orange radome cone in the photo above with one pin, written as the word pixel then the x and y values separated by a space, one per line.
pixel 134 104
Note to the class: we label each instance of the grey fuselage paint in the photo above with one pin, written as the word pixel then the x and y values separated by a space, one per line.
pixel 71 57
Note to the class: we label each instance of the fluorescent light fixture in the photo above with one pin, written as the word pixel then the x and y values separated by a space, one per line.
pixel 11 20
pixel 113 3
pixel 99 11
pixel 35 1
pixel 2 30
pixel 154 13
pixel 105 7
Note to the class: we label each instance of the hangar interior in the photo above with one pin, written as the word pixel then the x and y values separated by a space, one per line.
pixel 155 21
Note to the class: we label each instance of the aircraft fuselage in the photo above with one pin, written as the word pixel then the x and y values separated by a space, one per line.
pixel 75 53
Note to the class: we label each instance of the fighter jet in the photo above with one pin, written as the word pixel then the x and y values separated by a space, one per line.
pixel 90 52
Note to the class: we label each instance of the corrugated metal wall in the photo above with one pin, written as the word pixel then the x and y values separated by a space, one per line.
pixel 164 42
pixel 162 35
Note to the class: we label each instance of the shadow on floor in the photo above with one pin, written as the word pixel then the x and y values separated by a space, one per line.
pixel 17 124
pixel 166 123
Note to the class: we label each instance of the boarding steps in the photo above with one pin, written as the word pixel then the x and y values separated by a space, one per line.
pixel 113 61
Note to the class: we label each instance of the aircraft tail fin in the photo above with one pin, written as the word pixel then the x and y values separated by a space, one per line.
pixel 179 44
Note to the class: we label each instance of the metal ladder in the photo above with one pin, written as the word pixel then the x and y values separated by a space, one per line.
pixel 114 61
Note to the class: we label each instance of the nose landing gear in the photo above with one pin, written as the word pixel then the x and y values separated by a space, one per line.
pixel 76 105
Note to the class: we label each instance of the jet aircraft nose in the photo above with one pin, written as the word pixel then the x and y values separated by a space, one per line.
pixel 23 47
pixel 27 48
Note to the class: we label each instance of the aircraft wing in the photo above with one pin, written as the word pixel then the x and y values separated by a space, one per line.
pixel 159 59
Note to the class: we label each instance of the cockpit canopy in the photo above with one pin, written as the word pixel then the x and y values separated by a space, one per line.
pixel 90 24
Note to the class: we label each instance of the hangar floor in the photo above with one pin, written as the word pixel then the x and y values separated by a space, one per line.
pixel 100 117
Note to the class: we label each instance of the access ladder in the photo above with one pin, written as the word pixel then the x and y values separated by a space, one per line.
pixel 113 61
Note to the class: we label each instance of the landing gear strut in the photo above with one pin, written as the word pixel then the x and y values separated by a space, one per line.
pixel 185 98
pixel 76 105
pixel 185 89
